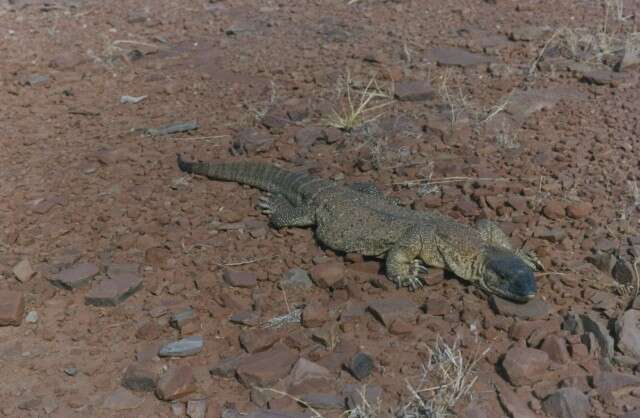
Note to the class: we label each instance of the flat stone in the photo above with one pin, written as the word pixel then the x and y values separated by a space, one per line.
pixel 307 377
pixel 181 318
pixel 23 270
pixel 530 33
pixel 248 317
pixel 324 400
pixel 327 275
pixel 177 382
pixel 32 317
pixel 75 276
pixel 534 309
pixel 122 399
pixel 11 308
pixel 142 376
pixel 308 135
pixel 227 367
pixel 361 365
pixel 185 347
pixel 611 383
pixel 566 403
pixel 627 330
pixel 243 279
pixel 414 90
pixel 111 292
pixel 607 78
pixel 456 57
pixel 267 367
pixel 525 366
pixel 388 309
pixel 296 278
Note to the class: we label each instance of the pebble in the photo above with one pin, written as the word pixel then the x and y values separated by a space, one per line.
pixel 554 210
pixel 623 272
pixel 534 309
pixel 579 210
pixel 243 279
pixel 197 408
pixel 76 276
pixel 296 278
pixel 178 381
pixel 414 90
pixel 515 406
pixel 567 402
pixel 391 308
pixel 185 347
pixel 226 367
pixel 251 141
pixel 111 292
pixel 327 275
pixel 32 317
pixel 361 365
pixel 265 368
pixel 23 270
pixel 308 135
pixel 179 319
pixel 11 308
pixel 525 366
pixel 530 33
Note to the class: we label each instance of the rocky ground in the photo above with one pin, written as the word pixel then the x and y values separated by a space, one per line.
pixel 130 289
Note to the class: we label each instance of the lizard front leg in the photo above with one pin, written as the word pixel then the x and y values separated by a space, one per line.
pixel 282 213
pixel 493 235
pixel 401 261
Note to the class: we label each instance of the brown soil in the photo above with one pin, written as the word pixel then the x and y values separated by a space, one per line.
pixel 84 181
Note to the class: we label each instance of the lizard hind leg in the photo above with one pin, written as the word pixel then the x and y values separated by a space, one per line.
pixel 282 213
pixel 402 263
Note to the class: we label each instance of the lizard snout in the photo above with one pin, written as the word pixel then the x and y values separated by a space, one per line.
pixel 510 277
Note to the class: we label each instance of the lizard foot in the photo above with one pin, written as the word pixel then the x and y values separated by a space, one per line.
pixel 412 281
pixel 265 204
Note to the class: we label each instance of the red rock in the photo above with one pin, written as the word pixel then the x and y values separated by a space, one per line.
pixel 256 340
pixel 515 406
pixel 438 306
pixel 556 348
pixel 566 403
pixel 76 276
pixel 413 91
pixel 177 382
pixel 122 399
pixel 579 210
pixel 314 315
pixel 265 368
pixel 627 329
pixel 142 376
pixel 554 210
pixel 401 327
pixel 327 275
pixel 525 366
pixel 388 309
pixel 308 377
pixel 611 383
pixel 11 308
pixel 244 279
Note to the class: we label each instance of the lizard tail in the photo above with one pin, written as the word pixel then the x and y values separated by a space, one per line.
pixel 260 175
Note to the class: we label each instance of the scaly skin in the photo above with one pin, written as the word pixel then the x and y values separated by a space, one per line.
pixel 359 219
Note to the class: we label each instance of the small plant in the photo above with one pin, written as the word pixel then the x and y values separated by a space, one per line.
pixel 365 409
pixel 357 111
pixel 446 379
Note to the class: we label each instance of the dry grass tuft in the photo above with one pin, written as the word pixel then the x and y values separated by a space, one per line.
pixel 357 108
pixel 447 378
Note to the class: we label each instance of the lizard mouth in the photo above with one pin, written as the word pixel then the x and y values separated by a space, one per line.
pixel 498 291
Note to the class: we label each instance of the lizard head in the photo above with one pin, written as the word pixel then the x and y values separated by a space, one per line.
pixel 507 275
